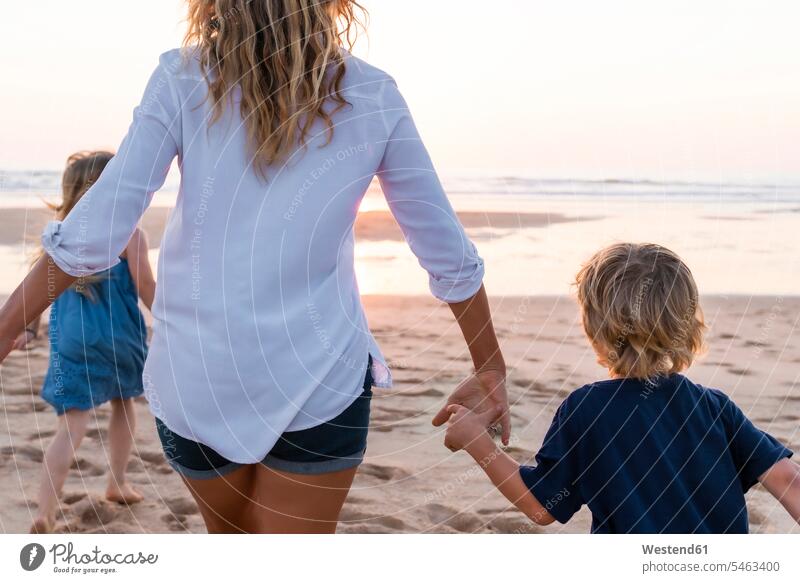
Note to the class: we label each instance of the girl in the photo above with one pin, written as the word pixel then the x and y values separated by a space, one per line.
pixel 261 364
pixel 97 349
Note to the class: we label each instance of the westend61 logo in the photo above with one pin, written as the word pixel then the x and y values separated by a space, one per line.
pixel 66 560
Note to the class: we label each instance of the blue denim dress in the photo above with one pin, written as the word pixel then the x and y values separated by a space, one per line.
pixel 98 343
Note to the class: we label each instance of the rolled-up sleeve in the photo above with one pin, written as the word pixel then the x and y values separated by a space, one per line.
pixel 94 234
pixel 420 206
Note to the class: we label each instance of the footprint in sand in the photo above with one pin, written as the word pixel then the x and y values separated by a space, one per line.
pixel 87 468
pixel 350 514
pixel 93 511
pixel 383 428
pixel 154 461
pixel 439 514
pixel 41 434
pixel 415 381
pixel 100 433
pixel 420 393
pixel 175 523
pixel 754 344
pixel 362 528
pixel 392 523
pixel 15 389
pixel 755 516
pixel 152 457
pixel 23 452
pixel 442 529
pixel 385 473
pixel 27 406
pixel 117 527
pixel 385 419
pixel 71 498
pixel 513 523
pixel 135 466
pixel 181 506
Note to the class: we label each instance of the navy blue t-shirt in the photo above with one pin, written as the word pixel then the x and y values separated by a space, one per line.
pixel 667 456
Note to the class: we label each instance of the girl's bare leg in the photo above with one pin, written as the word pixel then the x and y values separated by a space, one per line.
pixel 58 458
pixel 286 503
pixel 226 502
pixel 121 429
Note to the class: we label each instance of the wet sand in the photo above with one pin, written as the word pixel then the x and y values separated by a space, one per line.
pixel 26 224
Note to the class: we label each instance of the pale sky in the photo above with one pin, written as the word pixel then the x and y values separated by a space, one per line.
pixel 687 89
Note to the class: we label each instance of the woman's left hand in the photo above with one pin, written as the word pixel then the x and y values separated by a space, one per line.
pixel 6 346
pixel 465 428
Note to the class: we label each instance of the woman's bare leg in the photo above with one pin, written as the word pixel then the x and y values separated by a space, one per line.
pixel 226 502
pixel 257 499
pixel 57 460
pixel 286 503
pixel 121 429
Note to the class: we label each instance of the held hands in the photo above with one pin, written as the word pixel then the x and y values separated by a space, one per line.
pixel 23 340
pixel 18 343
pixel 465 429
pixel 484 394
pixel 6 346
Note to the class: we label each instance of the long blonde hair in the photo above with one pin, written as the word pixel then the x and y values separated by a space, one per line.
pixel 285 55
pixel 82 171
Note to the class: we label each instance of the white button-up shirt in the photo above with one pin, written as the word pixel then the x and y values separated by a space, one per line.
pixel 258 325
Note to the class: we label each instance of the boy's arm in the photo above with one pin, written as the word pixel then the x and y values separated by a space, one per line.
pixel 503 471
pixel 783 481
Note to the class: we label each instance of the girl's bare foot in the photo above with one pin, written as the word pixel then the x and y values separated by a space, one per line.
pixel 41 526
pixel 123 494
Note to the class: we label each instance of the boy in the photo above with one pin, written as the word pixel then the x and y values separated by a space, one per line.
pixel 648 451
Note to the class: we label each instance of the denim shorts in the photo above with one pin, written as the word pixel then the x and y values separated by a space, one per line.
pixel 336 445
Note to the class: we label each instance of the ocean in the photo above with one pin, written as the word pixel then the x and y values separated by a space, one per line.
pixel 737 238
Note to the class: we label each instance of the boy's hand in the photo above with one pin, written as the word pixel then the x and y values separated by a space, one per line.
pixel 483 393
pixel 466 428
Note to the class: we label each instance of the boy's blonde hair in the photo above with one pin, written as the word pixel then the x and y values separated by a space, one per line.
pixel 640 310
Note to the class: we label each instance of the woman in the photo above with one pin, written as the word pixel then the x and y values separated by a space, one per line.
pixel 261 362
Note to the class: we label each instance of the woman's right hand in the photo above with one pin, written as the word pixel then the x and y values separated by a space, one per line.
pixel 41 286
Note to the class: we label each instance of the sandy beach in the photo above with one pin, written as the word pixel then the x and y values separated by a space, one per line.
pixel 410 482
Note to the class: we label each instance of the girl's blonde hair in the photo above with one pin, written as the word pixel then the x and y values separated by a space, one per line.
pixel 286 57
pixel 641 310
pixel 82 171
